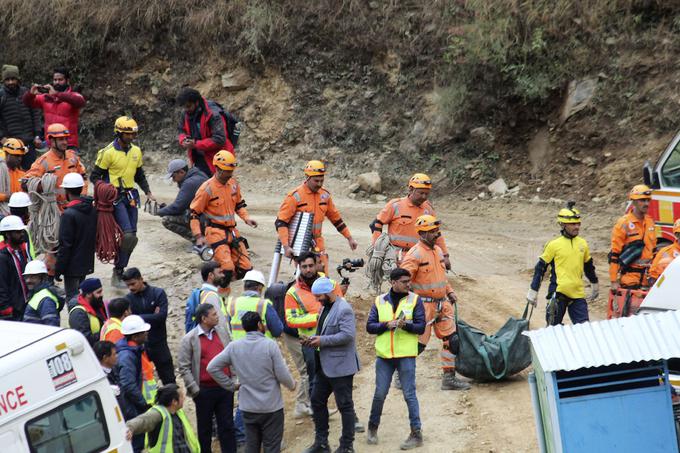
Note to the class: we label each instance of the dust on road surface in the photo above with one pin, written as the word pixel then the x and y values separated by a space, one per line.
pixel 494 246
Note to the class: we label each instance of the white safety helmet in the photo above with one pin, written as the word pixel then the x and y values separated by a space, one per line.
pixel 12 223
pixel 19 200
pixel 72 181
pixel 255 276
pixel 35 267
pixel 134 324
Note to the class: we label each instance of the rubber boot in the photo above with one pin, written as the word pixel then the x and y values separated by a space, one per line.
pixel 414 440
pixel 451 382
pixel 117 278
pixel 372 436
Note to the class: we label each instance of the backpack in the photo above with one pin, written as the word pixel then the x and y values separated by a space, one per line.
pixel 190 310
pixel 230 121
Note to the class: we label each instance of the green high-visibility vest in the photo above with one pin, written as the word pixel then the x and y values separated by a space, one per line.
pixel 396 343
pixel 238 307
pixel 164 443
pixel 95 324
pixel 44 293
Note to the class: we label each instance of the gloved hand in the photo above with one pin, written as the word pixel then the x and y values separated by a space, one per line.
pixel 532 297
pixel 594 291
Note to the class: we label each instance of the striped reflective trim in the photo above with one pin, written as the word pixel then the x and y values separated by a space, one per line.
pixel 297 298
pixel 45 164
pixel 165 428
pixel 297 197
pixel 224 218
pixel 317 226
pixel 395 208
pixel 208 190
pixel 424 286
pixel 400 237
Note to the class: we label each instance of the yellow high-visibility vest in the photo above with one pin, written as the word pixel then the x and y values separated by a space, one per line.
pixel 398 342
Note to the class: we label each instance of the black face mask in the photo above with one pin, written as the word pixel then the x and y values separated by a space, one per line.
pixel 60 88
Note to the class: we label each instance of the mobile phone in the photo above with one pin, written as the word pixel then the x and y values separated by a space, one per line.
pixel 42 89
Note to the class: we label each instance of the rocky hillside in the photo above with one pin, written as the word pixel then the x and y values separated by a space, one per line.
pixel 559 98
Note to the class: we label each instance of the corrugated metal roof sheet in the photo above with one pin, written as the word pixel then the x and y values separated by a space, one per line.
pixel 615 341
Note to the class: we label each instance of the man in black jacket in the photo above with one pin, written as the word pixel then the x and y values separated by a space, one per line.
pixel 16 119
pixel 77 235
pixel 151 304
pixel 175 216
pixel 14 255
pixel 108 359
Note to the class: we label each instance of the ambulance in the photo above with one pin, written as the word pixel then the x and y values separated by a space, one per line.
pixel 664 179
pixel 54 396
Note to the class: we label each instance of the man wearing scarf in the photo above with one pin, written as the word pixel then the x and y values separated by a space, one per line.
pixel 86 312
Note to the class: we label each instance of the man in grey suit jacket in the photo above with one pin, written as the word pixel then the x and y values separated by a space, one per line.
pixel 198 347
pixel 337 362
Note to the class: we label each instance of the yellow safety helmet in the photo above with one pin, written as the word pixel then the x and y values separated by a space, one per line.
pixel 420 181
pixel 427 223
pixel 315 168
pixel 224 160
pixel 125 124
pixel 640 192
pixel 569 215
pixel 676 226
pixel 14 146
pixel 57 130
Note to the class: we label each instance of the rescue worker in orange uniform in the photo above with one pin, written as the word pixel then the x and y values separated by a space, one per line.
pixel 14 150
pixel 219 200
pixel 665 256
pixel 59 160
pixel 310 196
pixel 633 243
pixel 425 262
pixel 400 214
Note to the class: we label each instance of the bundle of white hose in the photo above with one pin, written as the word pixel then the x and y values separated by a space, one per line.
pixel 382 258
pixel 4 188
pixel 44 224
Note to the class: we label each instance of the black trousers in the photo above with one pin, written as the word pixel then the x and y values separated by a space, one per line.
pixel 160 355
pixel 341 387
pixel 220 403
pixel 263 431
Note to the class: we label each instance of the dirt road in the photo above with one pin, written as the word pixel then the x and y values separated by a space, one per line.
pixel 494 245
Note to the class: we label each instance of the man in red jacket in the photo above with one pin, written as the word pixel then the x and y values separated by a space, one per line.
pixel 202 129
pixel 60 104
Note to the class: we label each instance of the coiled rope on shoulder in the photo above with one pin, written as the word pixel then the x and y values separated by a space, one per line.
pixel 45 215
pixel 109 234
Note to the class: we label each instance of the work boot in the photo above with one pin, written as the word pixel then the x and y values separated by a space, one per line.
pixel 302 411
pixel 344 450
pixel 415 440
pixel 451 382
pixel 358 426
pixel 117 279
pixel 397 381
pixel 318 447
pixel 372 436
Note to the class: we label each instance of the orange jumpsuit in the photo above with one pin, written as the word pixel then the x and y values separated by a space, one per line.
pixel 428 280
pixel 628 229
pixel 663 258
pixel 400 217
pixel 14 182
pixel 318 203
pixel 50 162
pixel 220 203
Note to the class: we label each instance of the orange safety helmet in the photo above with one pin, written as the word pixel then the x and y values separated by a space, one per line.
pixel 676 226
pixel 427 223
pixel 420 181
pixel 640 192
pixel 14 146
pixel 224 160
pixel 315 168
pixel 56 130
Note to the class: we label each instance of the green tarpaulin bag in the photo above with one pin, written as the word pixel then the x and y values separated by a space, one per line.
pixel 493 357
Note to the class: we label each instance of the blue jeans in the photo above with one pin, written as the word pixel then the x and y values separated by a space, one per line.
pixel 126 214
pixel 239 427
pixel 384 369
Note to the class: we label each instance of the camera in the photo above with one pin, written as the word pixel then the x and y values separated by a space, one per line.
pixel 349 265
pixel 43 89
